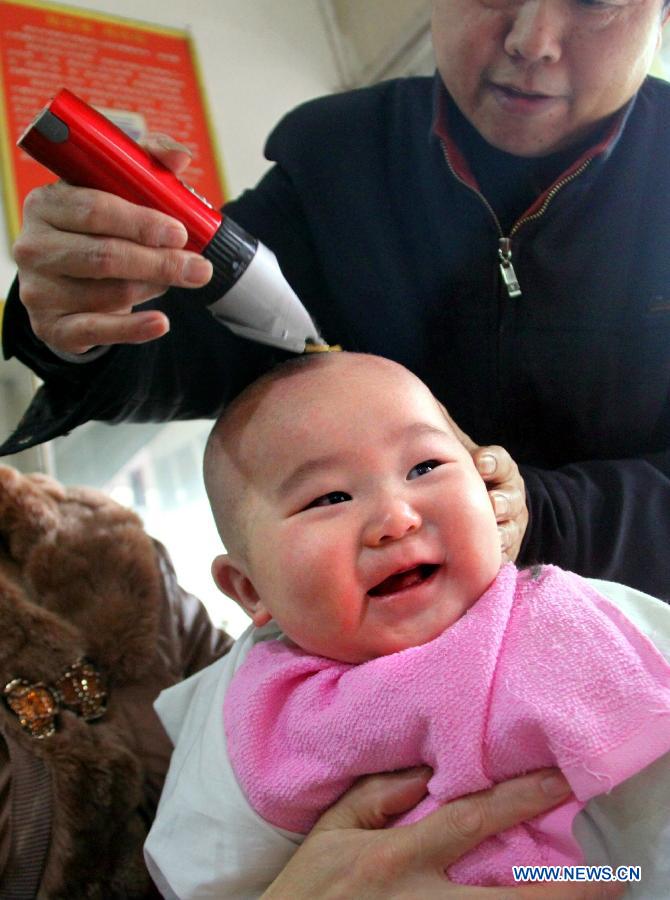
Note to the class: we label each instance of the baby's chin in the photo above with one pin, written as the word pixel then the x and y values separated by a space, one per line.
pixel 391 644
pixel 394 629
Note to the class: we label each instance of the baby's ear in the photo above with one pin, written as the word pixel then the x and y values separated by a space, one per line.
pixel 231 578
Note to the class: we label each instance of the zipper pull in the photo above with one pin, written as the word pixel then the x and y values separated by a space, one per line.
pixel 507 269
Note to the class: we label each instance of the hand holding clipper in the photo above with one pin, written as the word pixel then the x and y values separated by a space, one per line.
pixel 85 149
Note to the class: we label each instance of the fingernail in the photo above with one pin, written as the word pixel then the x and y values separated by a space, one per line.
pixel 555 786
pixel 168 144
pixel 148 332
pixel 197 270
pixel 500 504
pixel 172 236
pixel 421 773
pixel 486 464
pixel 504 537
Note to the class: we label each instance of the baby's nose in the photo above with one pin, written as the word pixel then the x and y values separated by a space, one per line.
pixel 395 519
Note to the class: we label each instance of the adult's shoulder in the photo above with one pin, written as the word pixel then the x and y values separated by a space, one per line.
pixel 361 116
pixel 651 110
pixel 657 91
pixel 398 93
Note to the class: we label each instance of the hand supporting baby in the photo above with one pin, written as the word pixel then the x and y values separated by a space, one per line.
pixel 350 853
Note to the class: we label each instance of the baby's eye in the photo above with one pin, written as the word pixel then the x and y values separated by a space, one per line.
pixel 423 468
pixel 329 499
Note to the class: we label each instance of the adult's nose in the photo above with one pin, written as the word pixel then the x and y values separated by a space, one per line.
pixel 392 519
pixel 536 32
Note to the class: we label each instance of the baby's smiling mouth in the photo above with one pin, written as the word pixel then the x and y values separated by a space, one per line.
pixel 400 581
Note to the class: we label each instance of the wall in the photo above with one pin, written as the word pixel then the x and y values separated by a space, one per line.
pixel 378 40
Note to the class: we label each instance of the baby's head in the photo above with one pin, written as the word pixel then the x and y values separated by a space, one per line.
pixel 350 511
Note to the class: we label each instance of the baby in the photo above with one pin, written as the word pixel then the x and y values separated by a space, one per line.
pixel 362 543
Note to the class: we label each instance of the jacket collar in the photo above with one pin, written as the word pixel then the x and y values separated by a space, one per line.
pixel 444 109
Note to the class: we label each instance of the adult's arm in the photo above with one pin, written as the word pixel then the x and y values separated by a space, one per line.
pixel 192 638
pixel 350 853
pixel 605 519
pixel 174 360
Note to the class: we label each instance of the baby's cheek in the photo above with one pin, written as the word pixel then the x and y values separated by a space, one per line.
pixel 309 544
pixel 305 565
pixel 297 550
pixel 473 538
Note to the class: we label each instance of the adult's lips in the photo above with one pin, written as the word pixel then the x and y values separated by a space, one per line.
pixel 515 91
pixel 518 101
pixel 402 580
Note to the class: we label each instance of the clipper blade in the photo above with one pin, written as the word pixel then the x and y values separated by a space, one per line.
pixel 312 347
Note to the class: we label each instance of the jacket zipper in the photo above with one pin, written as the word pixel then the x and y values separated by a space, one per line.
pixel 507 272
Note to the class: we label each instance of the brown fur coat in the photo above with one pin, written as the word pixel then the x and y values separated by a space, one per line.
pixel 79 577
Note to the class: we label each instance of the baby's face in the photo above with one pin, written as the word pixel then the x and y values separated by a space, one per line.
pixel 368 527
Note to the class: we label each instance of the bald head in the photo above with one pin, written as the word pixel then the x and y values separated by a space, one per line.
pixel 227 467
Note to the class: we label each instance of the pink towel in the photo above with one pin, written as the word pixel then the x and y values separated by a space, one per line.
pixel 539 672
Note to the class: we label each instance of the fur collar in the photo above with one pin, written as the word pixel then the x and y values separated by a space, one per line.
pixel 79 577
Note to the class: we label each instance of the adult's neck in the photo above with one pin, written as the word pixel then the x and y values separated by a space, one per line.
pixel 511 183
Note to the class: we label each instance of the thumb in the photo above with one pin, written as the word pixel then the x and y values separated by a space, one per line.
pixel 171 153
pixel 376 799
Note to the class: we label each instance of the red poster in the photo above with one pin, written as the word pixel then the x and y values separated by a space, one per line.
pixel 144 77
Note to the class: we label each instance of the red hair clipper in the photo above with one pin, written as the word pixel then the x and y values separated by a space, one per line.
pixel 84 148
